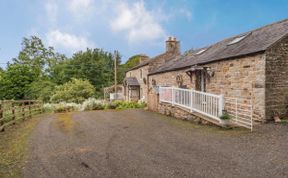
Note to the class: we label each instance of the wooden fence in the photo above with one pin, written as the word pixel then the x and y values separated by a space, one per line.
pixel 14 111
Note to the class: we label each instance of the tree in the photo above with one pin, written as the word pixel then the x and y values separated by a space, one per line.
pixel 29 76
pixel 37 56
pixel 74 91
pixel 41 89
pixel 94 65
pixel 15 81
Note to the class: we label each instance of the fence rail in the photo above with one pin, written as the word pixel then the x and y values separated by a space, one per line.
pixel 205 103
pixel 13 111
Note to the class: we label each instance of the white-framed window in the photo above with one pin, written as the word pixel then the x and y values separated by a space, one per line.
pixel 201 51
pixel 238 39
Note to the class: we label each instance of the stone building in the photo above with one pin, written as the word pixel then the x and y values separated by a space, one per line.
pixel 251 67
pixel 136 80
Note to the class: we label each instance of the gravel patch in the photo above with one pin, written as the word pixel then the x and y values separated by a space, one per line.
pixel 138 143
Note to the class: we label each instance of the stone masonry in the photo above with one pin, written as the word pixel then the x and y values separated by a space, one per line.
pixel 242 78
pixel 277 79
pixel 141 79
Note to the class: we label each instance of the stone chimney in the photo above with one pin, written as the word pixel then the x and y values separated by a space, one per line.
pixel 173 46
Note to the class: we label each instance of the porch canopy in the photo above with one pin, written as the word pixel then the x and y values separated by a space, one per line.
pixel 194 69
pixel 131 81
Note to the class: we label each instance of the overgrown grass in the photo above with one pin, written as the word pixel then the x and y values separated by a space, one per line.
pixel 13 148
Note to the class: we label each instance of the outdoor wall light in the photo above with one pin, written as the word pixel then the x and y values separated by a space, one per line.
pixel 210 72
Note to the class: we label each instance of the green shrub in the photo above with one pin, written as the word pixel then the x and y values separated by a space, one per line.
pixel 110 106
pixel 128 105
pixel 75 91
pixel 225 116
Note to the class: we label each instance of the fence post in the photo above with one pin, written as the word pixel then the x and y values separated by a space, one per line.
pixel 191 100
pixel 173 96
pixel 1 118
pixel 30 112
pixel 221 105
pixel 13 113
pixel 23 110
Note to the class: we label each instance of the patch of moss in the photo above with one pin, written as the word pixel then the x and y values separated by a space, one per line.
pixel 65 122
pixel 13 147
pixel 284 121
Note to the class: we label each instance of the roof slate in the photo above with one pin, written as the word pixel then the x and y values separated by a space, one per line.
pixel 256 41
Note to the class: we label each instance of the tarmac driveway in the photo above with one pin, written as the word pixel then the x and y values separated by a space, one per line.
pixel 138 143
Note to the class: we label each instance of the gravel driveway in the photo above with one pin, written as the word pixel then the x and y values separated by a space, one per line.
pixel 138 143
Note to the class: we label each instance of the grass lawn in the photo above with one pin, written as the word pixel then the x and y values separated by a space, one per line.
pixel 13 147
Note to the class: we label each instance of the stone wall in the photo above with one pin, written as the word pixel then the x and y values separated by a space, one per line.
pixel 242 78
pixel 277 78
pixel 169 110
pixel 137 73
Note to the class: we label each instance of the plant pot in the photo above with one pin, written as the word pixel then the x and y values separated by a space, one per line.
pixel 277 119
pixel 225 122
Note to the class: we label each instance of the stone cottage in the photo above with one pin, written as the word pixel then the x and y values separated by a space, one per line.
pixel 136 80
pixel 251 67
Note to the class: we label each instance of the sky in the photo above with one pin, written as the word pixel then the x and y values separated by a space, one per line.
pixel 129 26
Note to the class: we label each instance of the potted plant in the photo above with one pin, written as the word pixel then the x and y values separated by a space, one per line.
pixel 225 118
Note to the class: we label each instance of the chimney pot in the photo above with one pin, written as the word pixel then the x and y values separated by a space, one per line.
pixel 172 45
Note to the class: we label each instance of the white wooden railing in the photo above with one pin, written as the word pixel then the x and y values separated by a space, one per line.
pixel 205 103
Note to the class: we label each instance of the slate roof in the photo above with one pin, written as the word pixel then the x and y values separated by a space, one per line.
pixel 131 81
pixel 144 63
pixel 256 41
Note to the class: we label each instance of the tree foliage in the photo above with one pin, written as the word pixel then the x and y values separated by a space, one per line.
pixel 38 69
pixel 74 91
pixel 15 81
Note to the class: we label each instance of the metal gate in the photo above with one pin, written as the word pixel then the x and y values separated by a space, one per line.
pixel 241 111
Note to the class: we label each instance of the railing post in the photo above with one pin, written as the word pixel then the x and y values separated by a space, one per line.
pixel 236 110
pixel 191 100
pixel 160 94
pixel 251 116
pixel 1 118
pixel 221 105
pixel 173 96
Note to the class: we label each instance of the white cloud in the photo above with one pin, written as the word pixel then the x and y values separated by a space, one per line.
pixel 51 8
pixel 186 13
pixel 67 41
pixel 139 24
pixel 80 8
